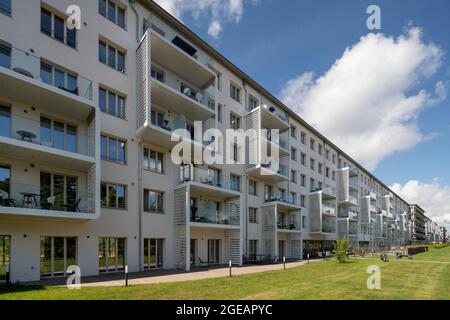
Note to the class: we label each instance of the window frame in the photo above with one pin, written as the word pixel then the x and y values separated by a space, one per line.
pixel 52 32
pixel 159 195
pixel 120 111
pixel 118 141
pixel 107 205
pixel 252 211
pixel 117 51
pixel 117 7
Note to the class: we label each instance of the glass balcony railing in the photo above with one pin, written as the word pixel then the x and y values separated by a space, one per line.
pixel 328 209
pixel 328 228
pixel 55 135
pixel 33 67
pixel 280 198
pixel 353 183
pixel 208 178
pixel 18 195
pixel 209 214
pixel 286 224
pixel 203 98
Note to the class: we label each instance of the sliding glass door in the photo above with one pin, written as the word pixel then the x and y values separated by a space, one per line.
pixel 58 192
pixel 153 253
pixel 111 254
pixel 57 254
pixel 213 251
pixel 5 256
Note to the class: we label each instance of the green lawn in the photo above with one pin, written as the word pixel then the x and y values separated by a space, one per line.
pixel 422 278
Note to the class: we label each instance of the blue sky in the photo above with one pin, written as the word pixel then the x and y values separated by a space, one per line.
pixel 276 41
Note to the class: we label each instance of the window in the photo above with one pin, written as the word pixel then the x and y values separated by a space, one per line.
pixel 56 254
pixel 58 192
pixel 219 113
pixel 113 196
pixel 320 168
pixel 235 121
pixel 111 56
pixel 157 74
pixel 302 200
pixel 327 172
pixel 303 159
pixel 5 56
pixel 303 180
pixel 252 248
pixel 312 164
pixel 252 187
pixel 111 103
pixel 281 194
pixel 5 256
pixel 320 149
pixel 303 138
pixel 153 201
pixel 293 176
pixel 111 254
pixel 293 154
pixel 235 182
pixel 312 184
pixel 5 121
pixel 293 132
pixel 58 135
pixel 312 143
pixel 334 158
pixel 252 103
pixel 60 78
pixel 153 161
pixel 253 215
pixel 113 149
pixel 235 93
pixel 268 192
pixel 112 12
pixel 56 27
pixel 235 152
pixel 304 222
pixel 5 7
pixel 153 253
pixel 327 154
pixel 293 197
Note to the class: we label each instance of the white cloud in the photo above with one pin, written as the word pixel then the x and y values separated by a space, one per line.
pixel 368 102
pixel 217 12
pixel 433 197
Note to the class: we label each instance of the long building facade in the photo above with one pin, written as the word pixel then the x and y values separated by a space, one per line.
pixel 86 170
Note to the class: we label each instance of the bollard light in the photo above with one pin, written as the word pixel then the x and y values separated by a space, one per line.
pixel 126 275
pixel 229 264
pixel 284 263
pixel 308 257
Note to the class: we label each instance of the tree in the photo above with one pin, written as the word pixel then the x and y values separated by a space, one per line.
pixel 342 246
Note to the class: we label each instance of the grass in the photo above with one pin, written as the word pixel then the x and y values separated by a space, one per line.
pixel 422 278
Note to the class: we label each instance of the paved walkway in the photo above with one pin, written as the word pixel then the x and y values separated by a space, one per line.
pixel 161 276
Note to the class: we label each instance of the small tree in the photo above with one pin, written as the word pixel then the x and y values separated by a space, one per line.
pixel 342 246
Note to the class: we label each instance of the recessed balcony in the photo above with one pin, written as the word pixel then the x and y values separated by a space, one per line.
pixel 30 79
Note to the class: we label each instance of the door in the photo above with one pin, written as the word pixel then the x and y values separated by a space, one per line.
pixel 193 252
pixel 281 249
pixel 111 254
pixel 213 251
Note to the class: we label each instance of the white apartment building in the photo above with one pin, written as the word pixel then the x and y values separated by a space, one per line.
pixel 86 177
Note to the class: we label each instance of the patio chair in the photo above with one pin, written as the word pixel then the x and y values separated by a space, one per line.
pixel 49 204
pixel 73 207
pixel 5 200
pixel 202 262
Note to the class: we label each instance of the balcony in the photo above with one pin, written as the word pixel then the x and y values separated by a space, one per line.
pixel 26 77
pixel 373 208
pixel 27 139
pixel 288 223
pixel 265 173
pixel 328 192
pixel 208 216
pixel 353 169
pixel 348 213
pixel 19 199
pixel 282 202
pixel 328 209
pixel 272 118
pixel 372 195
pixel 208 182
pixel 353 184
pixel 328 227
pixel 281 144
pixel 353 228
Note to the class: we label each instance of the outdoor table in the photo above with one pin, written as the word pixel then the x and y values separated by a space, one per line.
pixel 26 135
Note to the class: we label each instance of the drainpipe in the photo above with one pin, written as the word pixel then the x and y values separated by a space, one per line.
pixel 133 8
pixel 244 85
pixel 140 200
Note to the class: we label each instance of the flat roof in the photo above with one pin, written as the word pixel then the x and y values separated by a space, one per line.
pixel 179 26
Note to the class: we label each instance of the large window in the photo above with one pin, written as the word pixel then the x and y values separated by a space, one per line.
pixel 111 56
pixel 153 161
pixel 113 149
pixel 235 93
pixel 56 27
pixel 153 201
pixel 5 6
pixel 5 256
pixel 111 254
pixel 235 182
pixel 58 192
pixel 5 121
pixel 111 102
pixel 153 253
pixel 113 195
pixel 253 215
pixel 252 187
pixel 57 254
pixel 5 185
pixel 62 79
pixel 113 12
pixel 58 135
pixel 235 121
pixel 5 56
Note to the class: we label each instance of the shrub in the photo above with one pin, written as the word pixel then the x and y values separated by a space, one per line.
pixel 438 245
pixel 342 247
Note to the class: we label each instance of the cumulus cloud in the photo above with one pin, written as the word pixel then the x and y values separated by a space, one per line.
pixel 217 12
pixel 369 101
pixel 433 197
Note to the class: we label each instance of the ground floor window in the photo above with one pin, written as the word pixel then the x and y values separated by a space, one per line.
pixel 252 248
pixel 57 254
pixel 5 256
pixel 153 253
pixel 111 254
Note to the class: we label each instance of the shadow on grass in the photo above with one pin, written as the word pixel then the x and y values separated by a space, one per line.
pixel 19 288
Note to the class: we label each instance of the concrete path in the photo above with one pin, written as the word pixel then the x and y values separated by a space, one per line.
pixel 198 275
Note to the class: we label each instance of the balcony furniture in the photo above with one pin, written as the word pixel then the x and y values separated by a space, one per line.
pixel 29 198
pixel 194 211
pixel 72 207
pixel 5 200
pixel 48 205
pixel 202 262
pixel 292 226
pixel 26 135
pixel 23 72
pixel 266 164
